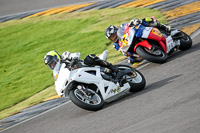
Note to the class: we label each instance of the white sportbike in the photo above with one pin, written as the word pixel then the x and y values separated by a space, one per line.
pixel 89 87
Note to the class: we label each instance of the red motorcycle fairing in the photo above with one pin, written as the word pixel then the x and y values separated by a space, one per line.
pixel 144 43
pixel 153 35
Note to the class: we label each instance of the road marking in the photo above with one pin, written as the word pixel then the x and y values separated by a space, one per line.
pixel 183 10
pixel 53 97
pixel 140 67
pixel 77 7
pixel 190 29
pixel 68 9
pixel 196 33
pixel 60 10
pixel 141 3
pixel 40 13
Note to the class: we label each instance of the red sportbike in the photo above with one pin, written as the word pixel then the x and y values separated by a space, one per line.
pixel 152 44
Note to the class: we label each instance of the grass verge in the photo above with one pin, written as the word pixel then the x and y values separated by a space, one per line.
pixel 25 42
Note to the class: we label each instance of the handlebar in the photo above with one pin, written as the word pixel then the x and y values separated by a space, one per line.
pixel 73 64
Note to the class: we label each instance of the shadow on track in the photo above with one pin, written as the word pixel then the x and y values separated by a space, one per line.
pixel 179 54
pixel 148 88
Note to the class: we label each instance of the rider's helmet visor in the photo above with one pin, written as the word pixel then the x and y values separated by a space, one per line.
pixel 113 37
pixel 52 64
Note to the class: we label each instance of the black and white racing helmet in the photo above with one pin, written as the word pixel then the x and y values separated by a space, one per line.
pixel 110 31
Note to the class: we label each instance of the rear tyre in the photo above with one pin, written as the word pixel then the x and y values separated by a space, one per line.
pixel 136 79
pixel 156 55
pixel 185 42
pixel 92 103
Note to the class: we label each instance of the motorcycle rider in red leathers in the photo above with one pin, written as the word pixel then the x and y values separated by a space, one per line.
pixel 115 34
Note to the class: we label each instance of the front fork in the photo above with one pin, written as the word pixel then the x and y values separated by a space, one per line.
pixel 87 93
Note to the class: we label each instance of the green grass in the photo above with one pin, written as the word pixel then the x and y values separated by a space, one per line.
pixel 35 99
pixel 23 44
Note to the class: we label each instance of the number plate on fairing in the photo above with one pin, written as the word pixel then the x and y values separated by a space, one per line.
pixel 171 43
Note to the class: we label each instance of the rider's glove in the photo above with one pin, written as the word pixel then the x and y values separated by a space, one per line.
pixel 134 22
pixel 66 56
pixel 69 56
pixel 74 61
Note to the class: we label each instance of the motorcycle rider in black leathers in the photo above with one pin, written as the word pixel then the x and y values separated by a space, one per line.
pixel 53 60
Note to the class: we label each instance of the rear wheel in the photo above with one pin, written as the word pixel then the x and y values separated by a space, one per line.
pixel 86 99
pixel 135 79
pixel 156 54
pixel 185 42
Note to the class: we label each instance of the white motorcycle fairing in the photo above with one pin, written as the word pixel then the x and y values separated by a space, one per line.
pixel 89 75
pixel 171 43
pixel 90 87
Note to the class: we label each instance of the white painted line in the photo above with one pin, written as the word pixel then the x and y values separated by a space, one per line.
pixel 143 66
pixel 196 33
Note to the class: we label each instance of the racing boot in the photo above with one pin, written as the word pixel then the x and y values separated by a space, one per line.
pixel 108 65
pixel 112 67
pixel 114 73
pixel 133 59
pixel 164 27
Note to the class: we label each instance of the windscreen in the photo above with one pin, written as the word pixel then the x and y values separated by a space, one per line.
pixel 120 32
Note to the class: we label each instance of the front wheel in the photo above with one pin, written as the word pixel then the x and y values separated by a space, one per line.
pixel 86 98
pixel 155 55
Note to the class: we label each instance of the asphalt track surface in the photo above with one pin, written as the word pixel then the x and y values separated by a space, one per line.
pixel 8 7
pixel 169 103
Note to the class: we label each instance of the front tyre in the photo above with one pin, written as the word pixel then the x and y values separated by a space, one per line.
pixel 155 55
pixel 185 41
pixel 92 101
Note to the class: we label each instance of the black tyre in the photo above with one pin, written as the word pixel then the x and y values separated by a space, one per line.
pixel 89 102
pixel 157 55
pixel 185 42
pixel 138 83
pixel 136 79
